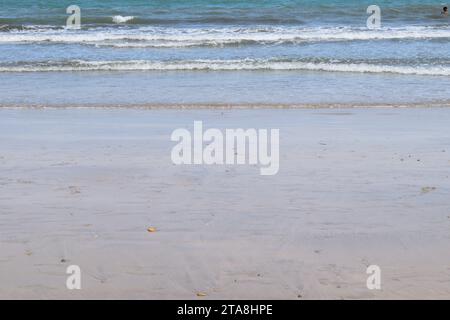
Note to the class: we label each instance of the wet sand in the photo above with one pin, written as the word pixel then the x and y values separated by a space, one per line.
pixel 356 187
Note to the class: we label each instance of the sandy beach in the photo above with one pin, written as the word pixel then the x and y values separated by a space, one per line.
pixel 356 187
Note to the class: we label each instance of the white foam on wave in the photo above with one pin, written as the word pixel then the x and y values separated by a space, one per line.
pixel 225 65
pixel 121 19
pixel 184 37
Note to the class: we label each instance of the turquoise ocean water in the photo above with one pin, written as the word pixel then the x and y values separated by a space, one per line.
pixel 223 52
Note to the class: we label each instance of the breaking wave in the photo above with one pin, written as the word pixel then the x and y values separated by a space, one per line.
pixel 224 65
pixel 188 37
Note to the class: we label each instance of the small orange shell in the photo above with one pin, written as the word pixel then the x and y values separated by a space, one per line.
pixel 151 229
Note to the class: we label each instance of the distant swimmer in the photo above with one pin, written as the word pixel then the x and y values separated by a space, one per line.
pixel 445 11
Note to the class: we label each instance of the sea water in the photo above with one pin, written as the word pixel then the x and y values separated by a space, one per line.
pixel 224 52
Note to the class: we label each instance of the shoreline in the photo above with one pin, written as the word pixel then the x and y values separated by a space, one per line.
pixel 213 106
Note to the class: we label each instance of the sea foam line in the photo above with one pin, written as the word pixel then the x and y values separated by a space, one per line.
pixel 179 37
pixel 224 65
